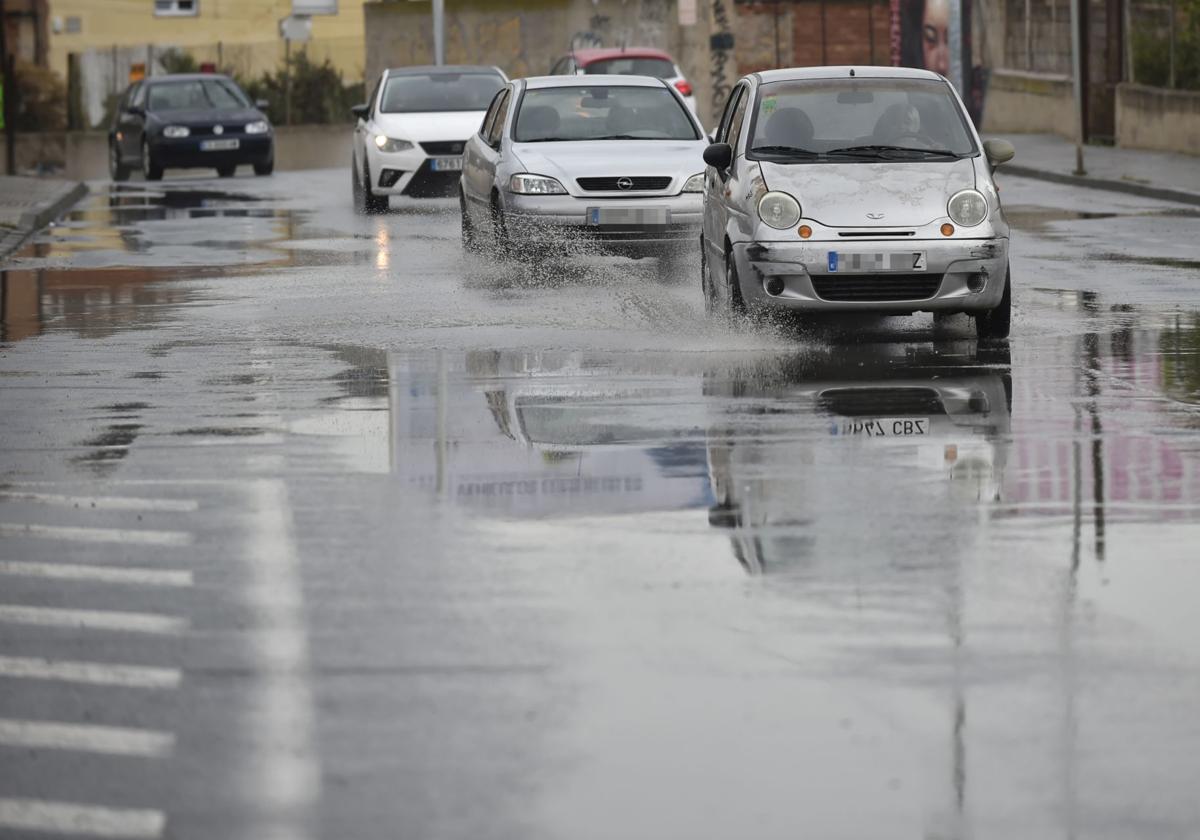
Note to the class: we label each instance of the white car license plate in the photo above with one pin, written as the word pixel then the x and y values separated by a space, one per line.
pixel 219 145
pixel 884 427
pixel 629 216
pixel 870 263
pixel 450 164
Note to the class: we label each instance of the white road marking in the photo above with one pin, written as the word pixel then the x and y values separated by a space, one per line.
pixel 97 574
pixel 102 502
pixel 98 535
pixel 80 737
pixel 89 820
pixel 92 673
pixel 132 622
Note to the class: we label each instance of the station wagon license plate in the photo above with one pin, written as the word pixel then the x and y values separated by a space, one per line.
pixel 629 216
pixel 226 145
pixel 878 428
pixel 446 164
pixel 872 263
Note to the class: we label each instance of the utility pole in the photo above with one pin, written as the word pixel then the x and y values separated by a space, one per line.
pixel 8 92
pixel 439 32
pixel 1077 73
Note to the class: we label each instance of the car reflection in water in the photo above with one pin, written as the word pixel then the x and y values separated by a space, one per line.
pixel 857 450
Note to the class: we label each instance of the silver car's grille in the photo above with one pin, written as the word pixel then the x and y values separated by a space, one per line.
pixel 444 147
pixel 876 287
pixel 632 183
pixel 882 402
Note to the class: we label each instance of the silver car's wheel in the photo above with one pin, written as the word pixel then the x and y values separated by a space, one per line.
pixel 711 309
pixel 733 288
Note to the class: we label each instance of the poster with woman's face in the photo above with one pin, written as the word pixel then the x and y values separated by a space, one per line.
pixel 934 35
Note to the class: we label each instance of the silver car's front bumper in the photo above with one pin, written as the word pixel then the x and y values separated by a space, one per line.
pixel 560 219
pixel 959 275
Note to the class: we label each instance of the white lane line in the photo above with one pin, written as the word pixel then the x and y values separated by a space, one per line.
pixel 97 535
pixel 102 502
pixel 98 574
pixel 132 622
pixel 91 673
pixel 88 820
pixel 84 737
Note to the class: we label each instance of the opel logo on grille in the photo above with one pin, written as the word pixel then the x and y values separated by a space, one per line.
pixel 218 129
pixel 625 183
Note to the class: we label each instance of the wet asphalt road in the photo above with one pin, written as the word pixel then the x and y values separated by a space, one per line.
pixel 311 528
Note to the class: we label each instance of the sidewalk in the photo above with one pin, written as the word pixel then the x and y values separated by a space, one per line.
pixel 29 204
pixel 1162 175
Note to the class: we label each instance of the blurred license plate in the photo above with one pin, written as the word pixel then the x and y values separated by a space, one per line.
pixel 451 164
pixel 218 145
pixel 871 263
pixel 628 216
pixel 890 427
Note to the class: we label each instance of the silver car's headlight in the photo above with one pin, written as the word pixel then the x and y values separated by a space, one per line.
pixel 779 210
pixel 176 131
pixel 258 127
pixel 526 184
pixel 967 208
pixel 391 144
pixel 695 183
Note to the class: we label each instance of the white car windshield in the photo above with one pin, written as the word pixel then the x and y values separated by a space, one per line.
pixel 432 92
pixel 849 120
pixel 195 95
pixel 659 68
pixel 607 112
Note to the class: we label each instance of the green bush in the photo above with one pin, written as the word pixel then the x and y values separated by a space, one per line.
pixel 41 99
pixel 318 92
pixel 1152 50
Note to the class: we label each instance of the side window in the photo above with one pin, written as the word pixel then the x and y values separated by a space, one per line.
pixel 738 120
pixel 497 126
pixel 373 102
pixel 138 96
pixel 735 98
pixel 486 128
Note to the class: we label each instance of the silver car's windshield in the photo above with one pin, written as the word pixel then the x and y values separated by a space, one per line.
pixel 431 92
pixel 602 112
pixel 849 120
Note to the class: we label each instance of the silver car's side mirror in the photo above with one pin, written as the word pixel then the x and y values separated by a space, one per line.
pixel 998 151
pixel 719 156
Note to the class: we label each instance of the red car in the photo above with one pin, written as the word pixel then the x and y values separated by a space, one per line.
pixel 626 61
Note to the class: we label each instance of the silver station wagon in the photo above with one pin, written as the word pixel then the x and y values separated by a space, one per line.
pixel 864 189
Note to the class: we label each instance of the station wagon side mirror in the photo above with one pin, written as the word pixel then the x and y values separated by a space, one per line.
pixel 262 105
pixel 360 111
pixel 998 151
pixel 136 110
pixel 719 156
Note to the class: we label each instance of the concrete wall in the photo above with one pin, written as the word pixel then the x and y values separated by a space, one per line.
pixel 1154 118
pixel 83 155
pixel 1037 103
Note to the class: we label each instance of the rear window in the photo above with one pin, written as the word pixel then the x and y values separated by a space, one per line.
pixel 195 95
pixel 659 68
pixel 602 113
pixel 431 92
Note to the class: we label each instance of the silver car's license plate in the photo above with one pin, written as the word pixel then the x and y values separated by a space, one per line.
pixel 885 427
pixel 448 164
pixel 629 216
pixel 219 145
pixel 871 263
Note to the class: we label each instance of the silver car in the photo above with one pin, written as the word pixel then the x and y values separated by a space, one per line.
pixel 614 161
pixel 839 189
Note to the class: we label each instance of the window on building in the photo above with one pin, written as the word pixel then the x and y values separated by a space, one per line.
pixel 176 8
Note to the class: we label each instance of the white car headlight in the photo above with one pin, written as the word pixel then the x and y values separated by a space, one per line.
pixel 695 183
pixel 779 210
pixel 525 184
pixel 391 144
pixel 258 127
pixel 176 131
pixel 967 208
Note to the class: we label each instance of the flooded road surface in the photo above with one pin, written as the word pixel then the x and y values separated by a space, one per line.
pixel 310 527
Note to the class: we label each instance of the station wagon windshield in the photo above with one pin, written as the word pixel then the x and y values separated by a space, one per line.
pixel 602 113
pixel 423 93
pixel 858 120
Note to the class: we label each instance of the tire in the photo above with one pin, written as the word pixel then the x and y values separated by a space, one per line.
pixel 226 171
pixel 151 171
pixel 470 238
pixel 500 239
pixel 995 324
pixel 711 309
pixel 372 204
pixel 117 170
pixel 267 166
pixel 737 304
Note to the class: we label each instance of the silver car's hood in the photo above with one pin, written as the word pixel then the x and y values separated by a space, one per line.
pixel 843 194
pixel 612 158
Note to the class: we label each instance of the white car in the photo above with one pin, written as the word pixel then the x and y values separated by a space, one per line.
pixel 409 137
pixel 626 61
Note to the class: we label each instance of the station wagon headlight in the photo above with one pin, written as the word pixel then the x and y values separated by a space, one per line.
pixel 967 208
pixel 175 132
pixel 391 144
pixel 258 127
pixel 695 183
pixel 779 210
pixel 526 184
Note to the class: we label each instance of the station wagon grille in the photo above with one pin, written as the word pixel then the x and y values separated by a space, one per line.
pixel 876 287
pixel 444 147
pixel 640 183
pixel 882 402
pixel 875 234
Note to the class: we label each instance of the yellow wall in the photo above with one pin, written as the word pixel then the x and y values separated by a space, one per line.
pixel 248 31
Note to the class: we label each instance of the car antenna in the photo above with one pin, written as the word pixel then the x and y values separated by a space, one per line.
pixel 851 71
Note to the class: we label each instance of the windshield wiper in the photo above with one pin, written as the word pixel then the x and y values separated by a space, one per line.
pixel 790 151
pixel 622 137
pixel 881 151
pixel 547 140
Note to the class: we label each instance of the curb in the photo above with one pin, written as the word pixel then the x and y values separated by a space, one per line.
pixel 34 220
pixel 1142 190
